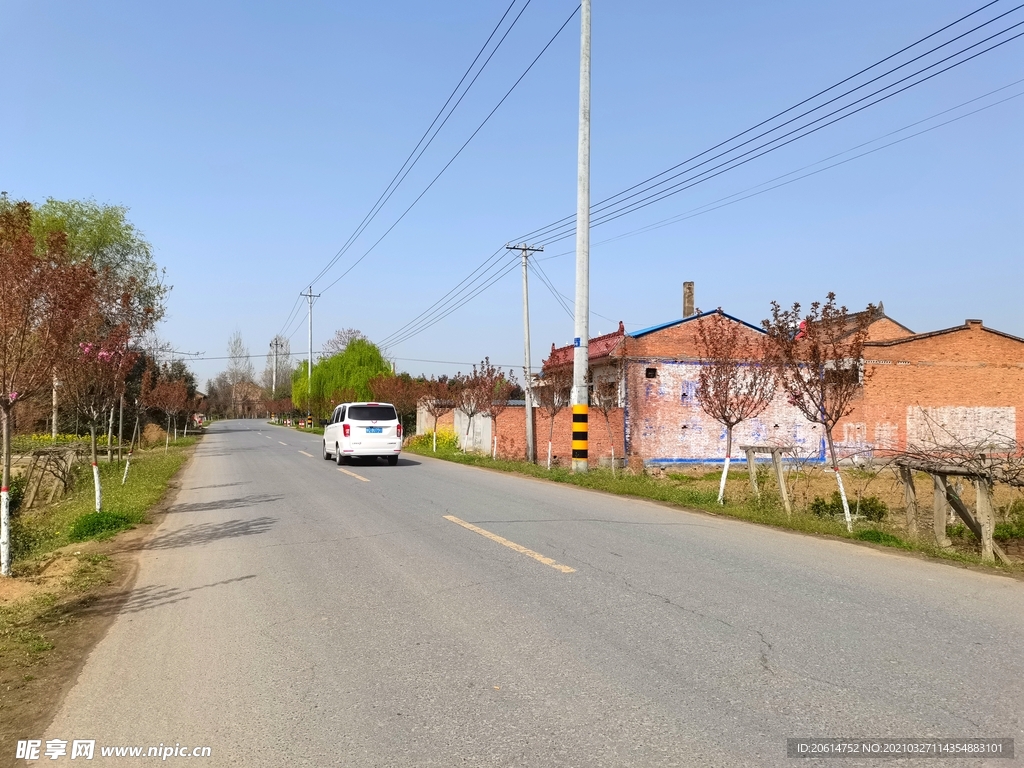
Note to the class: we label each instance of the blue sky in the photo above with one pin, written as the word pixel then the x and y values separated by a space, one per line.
pixel 249 140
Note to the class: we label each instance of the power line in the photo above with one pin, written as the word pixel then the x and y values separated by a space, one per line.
pixel 412 328
pixel 455 156
pixel 799 104
pixel 562 302
pixel 766 148
pixel 407 166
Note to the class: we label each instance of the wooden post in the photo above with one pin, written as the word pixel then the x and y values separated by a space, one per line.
pixel 985 516
pixel 910 497
pixel 781 478
pixel 752 468
pixel 939 506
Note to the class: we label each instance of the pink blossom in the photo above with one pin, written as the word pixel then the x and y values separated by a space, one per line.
pixel 13 396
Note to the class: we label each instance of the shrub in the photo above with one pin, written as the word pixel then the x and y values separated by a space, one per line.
pixel 1013 528
pixel 100 524
pixel 447 440
pixel 881 537
pixel 16 493
pixel 870 507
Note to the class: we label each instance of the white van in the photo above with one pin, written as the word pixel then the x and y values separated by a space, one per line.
pixel 363 429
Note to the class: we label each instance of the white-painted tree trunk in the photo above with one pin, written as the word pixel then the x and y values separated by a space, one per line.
pixel 549 454
pixel 5 531
pixel 494 449
pixel 725 466
pixel 96 484
pixel 95 465
pixel 127 464
pixel 5 498
pixel 846 503
pixel 721 484
pixel 435 438
pixel 839 482
pixel 613 461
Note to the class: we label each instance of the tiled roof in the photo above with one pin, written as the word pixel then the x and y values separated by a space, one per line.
pixel 653 328
pixel 966 326
pixel 600 346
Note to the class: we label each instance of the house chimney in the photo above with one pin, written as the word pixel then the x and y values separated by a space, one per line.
pixel 687 299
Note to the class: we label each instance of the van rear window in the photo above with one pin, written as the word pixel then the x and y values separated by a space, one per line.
pixel 372 413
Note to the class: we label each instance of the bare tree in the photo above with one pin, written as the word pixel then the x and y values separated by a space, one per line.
pixel 340 340
pixel 402 391
pixel 240 369
pixel 471 397
pixel 439 400
pixel 43 297
pixel 552 394
pixel 818 358
pixel 94 380
pixel 735 382
pixel 501 387
pixel 605 397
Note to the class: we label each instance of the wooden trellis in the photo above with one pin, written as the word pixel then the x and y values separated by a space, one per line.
pixel 982 521
pixel 776 452
pixel 52 463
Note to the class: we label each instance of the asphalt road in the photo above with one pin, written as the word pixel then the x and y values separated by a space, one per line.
pixel 287 613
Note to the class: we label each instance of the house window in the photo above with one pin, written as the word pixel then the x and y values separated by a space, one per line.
pixel 651 373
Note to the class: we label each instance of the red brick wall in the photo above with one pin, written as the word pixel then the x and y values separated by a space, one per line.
pixel 970 380
pixel 512 434
pixel 665 423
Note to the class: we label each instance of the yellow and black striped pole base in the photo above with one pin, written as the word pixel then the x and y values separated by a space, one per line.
pixel 579 437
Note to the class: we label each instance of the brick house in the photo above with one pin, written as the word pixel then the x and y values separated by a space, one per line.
pixel 961 384
pixel 964 384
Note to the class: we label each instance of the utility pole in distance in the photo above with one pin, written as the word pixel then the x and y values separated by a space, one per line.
pixel 581 340
pixel 309 363
pixel 531 451
pixel 276 346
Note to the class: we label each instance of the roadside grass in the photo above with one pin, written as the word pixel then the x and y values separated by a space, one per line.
pixel 35 533
pixel 67 582
pixel 685 490
pixel 308 430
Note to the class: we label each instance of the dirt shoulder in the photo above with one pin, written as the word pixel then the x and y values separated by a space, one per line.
pixel 56 616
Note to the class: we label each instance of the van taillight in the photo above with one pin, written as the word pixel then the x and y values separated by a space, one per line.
pixel 398 430
pixel 347 429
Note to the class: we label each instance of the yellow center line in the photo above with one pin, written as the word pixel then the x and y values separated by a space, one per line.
pixel 353 474
pixel 511 545
pixel 306 454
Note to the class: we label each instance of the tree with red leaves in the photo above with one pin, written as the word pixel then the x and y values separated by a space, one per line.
pixel 819 359
pixel 94 379
pixel 43 297
pixel 439 400
pixel 500 386
pixel 735 382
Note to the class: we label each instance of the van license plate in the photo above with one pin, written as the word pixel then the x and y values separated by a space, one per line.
pixel 374 430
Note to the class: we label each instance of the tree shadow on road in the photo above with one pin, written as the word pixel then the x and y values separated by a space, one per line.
pixel 208 533
pixel 236 503
pixel 145 598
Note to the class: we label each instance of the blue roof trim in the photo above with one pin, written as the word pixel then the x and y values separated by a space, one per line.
pixel 653 328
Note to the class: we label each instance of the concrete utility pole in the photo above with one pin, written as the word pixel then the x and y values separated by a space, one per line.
pixel 276 346
pixel 309 363
pixel 531 451
pixel 581 341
